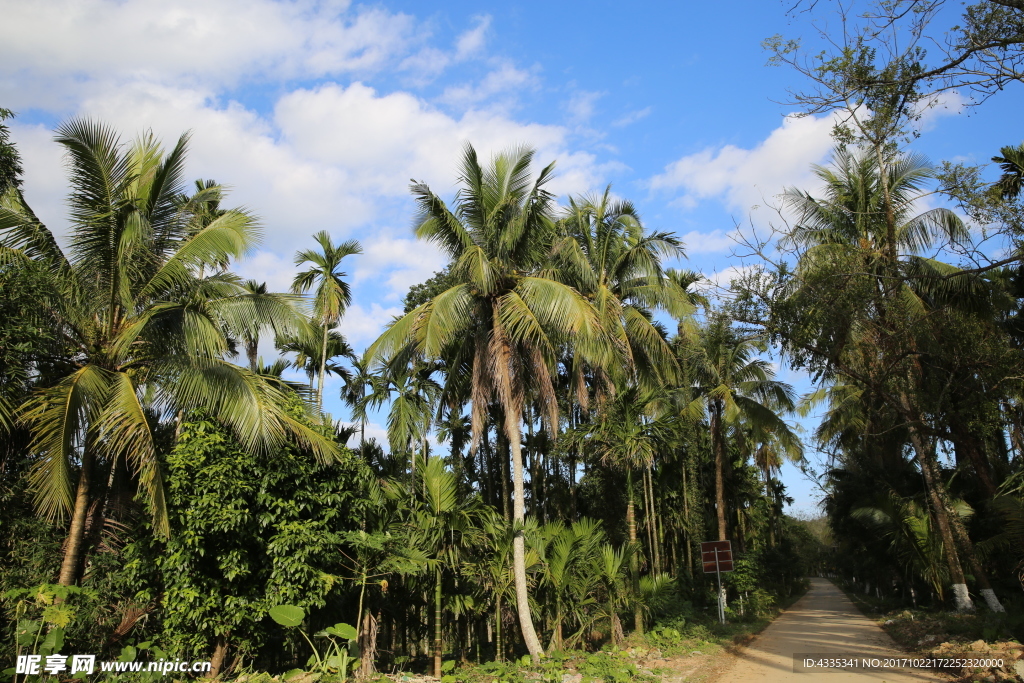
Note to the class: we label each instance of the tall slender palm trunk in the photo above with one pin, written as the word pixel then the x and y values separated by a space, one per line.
pixel 74 552
pixel 437 625
pixel 519 540
pixel 634 564
pixel 718 444
pixel 323 371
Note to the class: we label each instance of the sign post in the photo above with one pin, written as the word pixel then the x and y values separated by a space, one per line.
pixel 716 556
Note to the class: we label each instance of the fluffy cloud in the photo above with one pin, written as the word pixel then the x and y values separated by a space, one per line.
pixel 212 40
pixel 743 178
pixel 383 140
pixel 429 62
pixel 333 158
pixel 716 241
pixel 397 263
pixel 505 81
pixel 362 324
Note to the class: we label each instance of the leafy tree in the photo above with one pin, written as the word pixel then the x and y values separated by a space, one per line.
pixel 250 530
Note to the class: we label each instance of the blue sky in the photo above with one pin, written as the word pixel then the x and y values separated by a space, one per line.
pixel 317 114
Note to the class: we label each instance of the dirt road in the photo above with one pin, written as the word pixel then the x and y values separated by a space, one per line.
pixel 822 622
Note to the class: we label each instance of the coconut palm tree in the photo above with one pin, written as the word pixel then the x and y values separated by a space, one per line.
pixel 1011 161
pixel 606 255
pixel 142 300
pixel 332 294
pixel 503 310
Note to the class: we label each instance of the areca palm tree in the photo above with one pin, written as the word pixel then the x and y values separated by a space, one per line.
pixel 332 294
pixel 442 525
pixel 411 393
pixel 628 436
pixel 147 327
pixel 503 309
pixel 567 554
pixel 310 350
pixel 732 385
pixel 354 392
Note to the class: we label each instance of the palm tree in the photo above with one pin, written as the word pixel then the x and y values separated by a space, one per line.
pixel 442 525
pixel 492 570
pixel 354 392
pixel 309 349
pixel 628 436
pixel 411 394
pixel 609 565
pixel 503 310
pixel 567 556
pixel 148 329
pixel 332 295
pixel 732 385
pixel 252 339
pixel 605 254
pixel 1011 161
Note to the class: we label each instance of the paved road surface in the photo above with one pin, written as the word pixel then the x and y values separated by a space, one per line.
pixel 823 621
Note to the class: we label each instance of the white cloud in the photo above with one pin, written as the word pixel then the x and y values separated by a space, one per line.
pixel 429 61
pixel 383 140
pixel 264 266
pixel 45 179
pixel 213 40
pixel 632 117
pixel 472 41
pixel 716 241
pixel 947 103
pixel 580 106
pixel 743 178
pixel 397 262
pixel 717 283
pixel 363 324
pixel 505 80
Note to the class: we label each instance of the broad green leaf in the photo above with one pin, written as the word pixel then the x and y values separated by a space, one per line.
pixel 53 642
pixel 344 631
pixel 288 616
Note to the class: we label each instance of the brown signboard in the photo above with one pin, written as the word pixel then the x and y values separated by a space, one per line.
pixel 716 556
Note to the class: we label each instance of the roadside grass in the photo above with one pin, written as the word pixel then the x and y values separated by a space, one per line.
pixel 684 647
pixel 676 648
